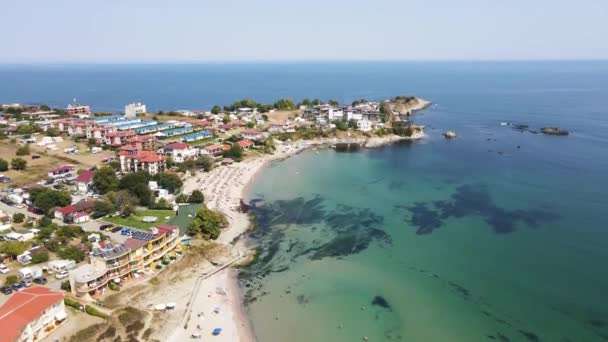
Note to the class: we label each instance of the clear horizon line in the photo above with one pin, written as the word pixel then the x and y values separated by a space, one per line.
pixel 290 61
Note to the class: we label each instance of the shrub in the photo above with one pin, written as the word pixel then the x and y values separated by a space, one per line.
pixel 154 281
pixel 18 217
pixel 65 286
pixel 91 310
pixel 40 257
pixel 71 253
pixel 196 197
pixel 181 198
pixel 11 279
pixel 23 150
pixel 3 165
pixel 71 302
pixel 18 164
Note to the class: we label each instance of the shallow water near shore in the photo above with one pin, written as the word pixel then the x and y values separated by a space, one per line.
pixel 497 235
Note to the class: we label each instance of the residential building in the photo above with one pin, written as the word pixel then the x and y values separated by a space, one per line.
pixel 252 134
pixel 364 125
pixel 196 136
pixel 180 152
pixel 144 142
pixel 78 110
pixel 149 250
pixel 245 144
pixel 134 109
pixel 61 171
pixel 31 314
pixel 214 150
pixel 119 138
pixel 75 213
pixel 84 181
pixel 133 160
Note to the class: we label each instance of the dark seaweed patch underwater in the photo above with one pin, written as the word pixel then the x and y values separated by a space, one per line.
pixel 469 200
pixel 342 231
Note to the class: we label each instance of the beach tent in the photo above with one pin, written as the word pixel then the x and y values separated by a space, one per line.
pixel 217 331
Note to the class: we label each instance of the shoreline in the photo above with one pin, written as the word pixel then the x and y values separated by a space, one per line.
pixel 224 187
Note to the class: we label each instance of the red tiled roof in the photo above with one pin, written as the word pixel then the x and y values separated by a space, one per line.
pixel 176 146
pixel 85 176
pixel 226 147
pixel 245 143
pixel 22 308
pixel 251 131
pixel 133 244
pixel 83 205
pixel 213 147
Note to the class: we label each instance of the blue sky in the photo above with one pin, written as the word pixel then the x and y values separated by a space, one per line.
pixel 57 31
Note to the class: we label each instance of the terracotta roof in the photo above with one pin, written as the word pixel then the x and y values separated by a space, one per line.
pixel 245 143
pixel 83 205
pixel 176 146
pixel 133 244
pixel 213 147
pixel 85 177
pixel 22 308
pixel 251 131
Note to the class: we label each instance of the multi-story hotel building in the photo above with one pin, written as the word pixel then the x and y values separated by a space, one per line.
pixel 117 263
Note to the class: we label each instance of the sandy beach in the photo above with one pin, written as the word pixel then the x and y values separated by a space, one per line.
pixel 215 299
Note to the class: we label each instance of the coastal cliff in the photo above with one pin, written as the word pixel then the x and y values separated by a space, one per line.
pixel 404 106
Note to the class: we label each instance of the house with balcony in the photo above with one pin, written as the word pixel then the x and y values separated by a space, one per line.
pixel 75 213
pixel 31 314
pixel 144 142
pixel 149 251
pixel 133 160
pixel 252 134
pixel 180 152
pixel 119 138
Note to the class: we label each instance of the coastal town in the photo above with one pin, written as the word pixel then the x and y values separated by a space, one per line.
pixel 128 226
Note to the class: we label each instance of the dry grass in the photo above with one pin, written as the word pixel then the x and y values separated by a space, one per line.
pixel 281 115
pixel 37 169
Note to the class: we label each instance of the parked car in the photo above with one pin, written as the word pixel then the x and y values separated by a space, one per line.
pixel 17 286
pixel 3 269
pixel 26 282
pixel 62 274
pixel 40 280
pixel 126 231
pixel 116 229
pixel 6 290
pixel 35 156
pixel 106 226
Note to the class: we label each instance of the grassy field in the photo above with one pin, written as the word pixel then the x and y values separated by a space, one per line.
pixel 135 220
pixel 185 216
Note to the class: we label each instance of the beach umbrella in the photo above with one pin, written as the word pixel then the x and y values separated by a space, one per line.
pixel 217 331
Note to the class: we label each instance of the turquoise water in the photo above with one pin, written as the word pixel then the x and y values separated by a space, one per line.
pixel 474 239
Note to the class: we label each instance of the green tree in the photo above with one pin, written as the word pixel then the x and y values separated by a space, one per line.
pixel 333 103
pixel 235 152
pixel 196 197
pixel 105 180
pixel 181 198
pixel 269 145
pixel 52 132
pixel 208 223
pixel 226 119
pixel 250 124
pixel 3 165
pixel 92 142
pixel 18 164
pixel 306 103
pixel 162 204
pixel 71 253
pixel 23 150
pixel 124 201
pixel 284 104
pixel 103 208
pixel 341 125
pixel 216 109
pixel 205 162
pixel 18 217
pixel 169 181
pixel 45 198
pixel 13 248
pixel 114 164
pixel 40 257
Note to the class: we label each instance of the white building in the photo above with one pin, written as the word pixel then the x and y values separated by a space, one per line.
pixel 31 314
pixel 364 125
pixel 134 109
pixel 180 152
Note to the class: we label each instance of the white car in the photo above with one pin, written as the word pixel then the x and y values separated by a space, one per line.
pixel 62 274
pixel 3 269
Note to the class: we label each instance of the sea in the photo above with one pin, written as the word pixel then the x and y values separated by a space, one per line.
pixel 500 234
